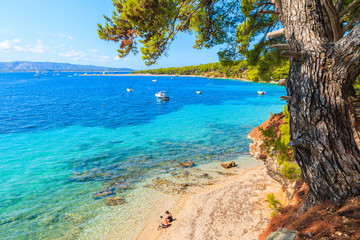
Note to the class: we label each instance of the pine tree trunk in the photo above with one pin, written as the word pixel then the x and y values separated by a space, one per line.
pixel 324 131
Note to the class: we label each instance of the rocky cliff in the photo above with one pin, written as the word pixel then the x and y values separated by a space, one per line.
pixel 259 152
pixel 323 221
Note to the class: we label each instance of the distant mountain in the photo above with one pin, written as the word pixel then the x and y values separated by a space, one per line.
pixel 24 66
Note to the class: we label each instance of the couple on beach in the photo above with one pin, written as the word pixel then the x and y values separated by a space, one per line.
pixel 165 220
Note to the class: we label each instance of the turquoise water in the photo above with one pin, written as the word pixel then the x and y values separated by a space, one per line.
pixel 63 139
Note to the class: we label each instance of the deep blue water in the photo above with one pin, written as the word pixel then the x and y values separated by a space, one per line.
pixel 63 138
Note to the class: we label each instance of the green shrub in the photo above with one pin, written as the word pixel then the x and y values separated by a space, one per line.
pixel 356 85
pixel 274 204
pixel 277 146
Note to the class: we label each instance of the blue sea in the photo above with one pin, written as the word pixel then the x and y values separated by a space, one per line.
pixel 65 137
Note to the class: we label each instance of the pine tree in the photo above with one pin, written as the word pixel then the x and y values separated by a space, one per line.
pixel 320 37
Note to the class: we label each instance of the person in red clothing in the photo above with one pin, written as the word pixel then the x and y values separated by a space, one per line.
pixel 164 223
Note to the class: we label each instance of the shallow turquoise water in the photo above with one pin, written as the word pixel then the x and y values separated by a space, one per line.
pixel 63 139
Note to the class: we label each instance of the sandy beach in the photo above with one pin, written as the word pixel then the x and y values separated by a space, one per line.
pixel 235 207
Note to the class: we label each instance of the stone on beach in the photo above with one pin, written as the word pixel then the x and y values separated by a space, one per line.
pixel 113 201
pixel 228 164
pixel 282 234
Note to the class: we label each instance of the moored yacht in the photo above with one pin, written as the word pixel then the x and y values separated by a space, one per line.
pixel 261 92
pixel 162 95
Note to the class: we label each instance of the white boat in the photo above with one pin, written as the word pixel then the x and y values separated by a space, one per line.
pixel 154 80
pixel 129 89
pixel 261 92
pixel 162 95
pixel 198 92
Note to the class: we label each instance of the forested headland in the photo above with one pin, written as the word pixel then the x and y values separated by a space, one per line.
pixel 264 72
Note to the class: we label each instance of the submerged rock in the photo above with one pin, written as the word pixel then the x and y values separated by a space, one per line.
pixel 228 164
pixel 120 186
pixel 186 164
pixel 113 201
pixel 104 193
pixel 225 173
pixel 205 175
pixel 181 174
pixel 168 186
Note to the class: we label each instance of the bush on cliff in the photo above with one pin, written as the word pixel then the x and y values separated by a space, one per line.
pixel 277 146
pixel 274 204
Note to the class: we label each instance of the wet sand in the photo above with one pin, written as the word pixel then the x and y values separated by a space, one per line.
pixel 234 207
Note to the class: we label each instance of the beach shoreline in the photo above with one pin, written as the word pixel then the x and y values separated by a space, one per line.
pixel 234 207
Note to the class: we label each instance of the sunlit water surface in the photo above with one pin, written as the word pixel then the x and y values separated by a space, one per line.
pixel 62 139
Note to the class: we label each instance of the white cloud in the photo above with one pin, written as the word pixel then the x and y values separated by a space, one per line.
pixel 94 50
pixel 61 35
pixel 7 32
pixel 19 49
pixel 5 45
pixel 75 55
pixel 15 45
pixel 9 46
pixel 65 36
pixel 117 58
pixel 38 47
pixel 100 58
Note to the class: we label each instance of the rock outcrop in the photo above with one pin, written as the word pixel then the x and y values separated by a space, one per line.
pixel 258 150
pixel 256 147
pixel 282 234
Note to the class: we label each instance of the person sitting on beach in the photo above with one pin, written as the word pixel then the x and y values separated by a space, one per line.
pixel 164 223
pixel 168 216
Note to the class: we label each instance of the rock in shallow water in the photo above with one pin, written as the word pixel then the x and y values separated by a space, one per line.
pixel 168 186
pixel 228 164
pixel 113 201
pixel 186 164
pixel 103 193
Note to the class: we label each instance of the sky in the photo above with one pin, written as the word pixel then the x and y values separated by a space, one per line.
pixel 66 31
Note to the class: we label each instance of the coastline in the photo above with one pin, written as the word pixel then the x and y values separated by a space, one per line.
pixel 234 207
pixel 168 75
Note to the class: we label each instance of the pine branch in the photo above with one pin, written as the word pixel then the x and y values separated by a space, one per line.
pixel 334 19
pixel 350 24
pixel 343 12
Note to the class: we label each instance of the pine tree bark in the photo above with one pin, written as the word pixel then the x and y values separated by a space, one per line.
pixel 323 127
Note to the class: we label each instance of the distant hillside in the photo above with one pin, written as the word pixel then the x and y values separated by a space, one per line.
pixel 20 66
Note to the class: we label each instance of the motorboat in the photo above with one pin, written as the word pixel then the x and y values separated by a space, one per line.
pixel 154 80
pixel 198 92
pixel 261 92
pixel 162 95
pixel 129 89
